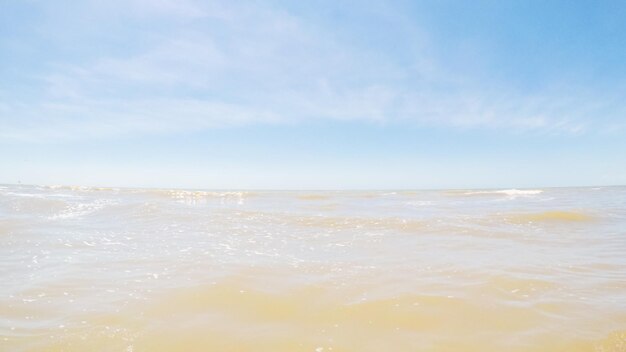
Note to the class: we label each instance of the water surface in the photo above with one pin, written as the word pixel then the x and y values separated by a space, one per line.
pixel 107 269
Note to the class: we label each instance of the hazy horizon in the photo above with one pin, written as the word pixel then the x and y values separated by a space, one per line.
pixel 296 190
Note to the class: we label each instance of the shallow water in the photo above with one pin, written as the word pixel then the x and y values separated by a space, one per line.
pixel 106 269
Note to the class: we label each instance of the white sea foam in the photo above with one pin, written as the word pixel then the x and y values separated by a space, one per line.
pixel 508 192
pixel 81 209
pixel 520 192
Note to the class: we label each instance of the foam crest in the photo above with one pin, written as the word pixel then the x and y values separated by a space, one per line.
pixel 506 192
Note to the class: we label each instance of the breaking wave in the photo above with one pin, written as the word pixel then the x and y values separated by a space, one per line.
pixel 506 192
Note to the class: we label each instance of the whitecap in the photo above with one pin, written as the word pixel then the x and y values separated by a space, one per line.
pixel 507 192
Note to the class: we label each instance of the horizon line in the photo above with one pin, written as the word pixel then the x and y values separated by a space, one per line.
pixel 307 189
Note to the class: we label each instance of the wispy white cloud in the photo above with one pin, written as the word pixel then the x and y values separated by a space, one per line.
pixel 98 119
pixel 236 64
pixel 149 9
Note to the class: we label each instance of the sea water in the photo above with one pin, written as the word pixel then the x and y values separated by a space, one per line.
pixel 107 269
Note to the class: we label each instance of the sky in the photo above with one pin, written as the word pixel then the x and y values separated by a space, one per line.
pixel 313 94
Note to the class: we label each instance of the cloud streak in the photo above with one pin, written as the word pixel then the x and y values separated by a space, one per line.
pixel 179 66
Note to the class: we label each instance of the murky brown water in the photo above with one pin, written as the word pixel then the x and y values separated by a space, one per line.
pixel 169 270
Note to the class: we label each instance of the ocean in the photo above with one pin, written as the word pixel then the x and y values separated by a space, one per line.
pixel 113 269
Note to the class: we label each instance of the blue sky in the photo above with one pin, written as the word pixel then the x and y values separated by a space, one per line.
pixel 308 95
